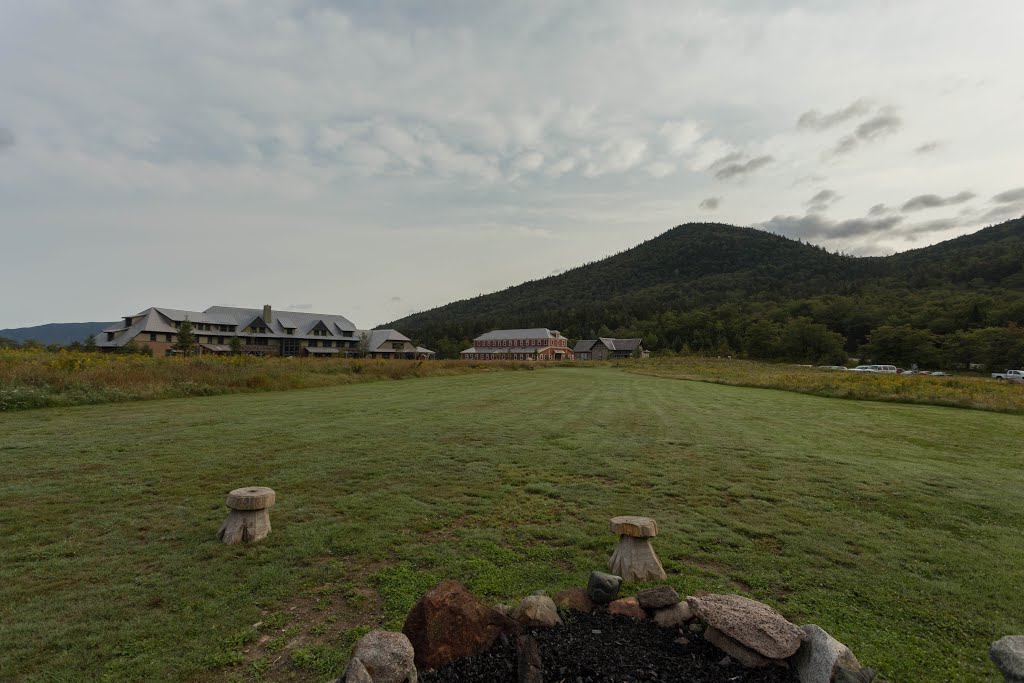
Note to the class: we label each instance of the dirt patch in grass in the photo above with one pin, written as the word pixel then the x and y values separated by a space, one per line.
pixel 309 636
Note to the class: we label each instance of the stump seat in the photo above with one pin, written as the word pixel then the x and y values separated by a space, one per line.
pixel 249 518
pixel 634 558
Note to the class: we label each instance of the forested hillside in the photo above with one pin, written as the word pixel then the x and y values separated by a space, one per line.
pixel 53 333
pixel 723 290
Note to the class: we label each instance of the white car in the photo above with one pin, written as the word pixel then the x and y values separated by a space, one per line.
pixel 876 369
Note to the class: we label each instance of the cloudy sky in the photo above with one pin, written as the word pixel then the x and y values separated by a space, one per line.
pixel 345 158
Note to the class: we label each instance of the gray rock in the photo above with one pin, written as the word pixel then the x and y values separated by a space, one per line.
pixel 820 656
pixel 502 609
pixel 355 672
pixel 656 598
pixel 741 653
pixel 537 611
pixel 603 588
pixel 1008 655
pixel 749 622
pixel 387 657
pixel 530 667
pixel 676 615
pixel 858 675
pixel 696 628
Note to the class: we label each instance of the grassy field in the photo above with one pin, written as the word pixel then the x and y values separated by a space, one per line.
pixel 894 527
pixel 968 391
pixel 40 379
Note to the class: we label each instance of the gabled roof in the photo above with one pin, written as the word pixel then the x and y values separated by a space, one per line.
pixel 163 321
pixel 532 333
pixel 620 344
pixel 258 321
pixel 377 338
pixel 584 345
pixel 150 320
pixel 301 322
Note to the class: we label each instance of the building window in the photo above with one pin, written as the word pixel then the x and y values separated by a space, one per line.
pixel 167 337
pixel 220 340
pixel 152 336
pixel 346 333
pixel 290 331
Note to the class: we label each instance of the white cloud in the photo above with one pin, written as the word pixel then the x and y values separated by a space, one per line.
pixel 660 169
pixel 351 120
pixel 681 136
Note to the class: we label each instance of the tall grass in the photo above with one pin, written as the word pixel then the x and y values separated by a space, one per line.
pixel 38 379
pixel 976 392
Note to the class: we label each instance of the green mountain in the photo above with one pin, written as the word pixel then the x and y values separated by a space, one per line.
pixel 53 333
pixel 720 289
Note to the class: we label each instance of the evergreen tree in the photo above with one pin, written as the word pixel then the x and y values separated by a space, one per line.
pixel 186 340
pixel 236 346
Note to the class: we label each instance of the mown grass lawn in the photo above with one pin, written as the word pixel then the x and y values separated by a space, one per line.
pixel 895 527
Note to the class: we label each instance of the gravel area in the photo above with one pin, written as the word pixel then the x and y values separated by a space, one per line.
pixel 606 648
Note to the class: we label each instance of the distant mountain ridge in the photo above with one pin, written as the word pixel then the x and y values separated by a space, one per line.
pixel 740 275
pixel 55 333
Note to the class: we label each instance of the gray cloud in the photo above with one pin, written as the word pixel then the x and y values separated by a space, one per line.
pixel 815 120
pixel 927 147
pixel 1015 195
pixel 1004 212
pixel 821 201
pixel 879 210
pixel 936 225
pixel 299 307
pixel 814 226
pixel 7 139
pixel 396 299
pixel 883 123
pixel 711 203
pixel 338 118
pixel 930 201
pixel 729 167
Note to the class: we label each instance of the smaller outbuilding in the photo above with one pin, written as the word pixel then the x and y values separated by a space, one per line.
pixel 605 348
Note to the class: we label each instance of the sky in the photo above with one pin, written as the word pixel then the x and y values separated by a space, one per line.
pixel 375 159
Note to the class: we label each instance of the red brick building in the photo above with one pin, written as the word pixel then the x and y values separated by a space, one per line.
pixel 533 344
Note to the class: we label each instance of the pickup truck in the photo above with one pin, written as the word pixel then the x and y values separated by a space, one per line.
pixel 1009 374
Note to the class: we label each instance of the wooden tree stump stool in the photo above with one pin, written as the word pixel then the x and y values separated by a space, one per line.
pixel 634 558
pixel 249 519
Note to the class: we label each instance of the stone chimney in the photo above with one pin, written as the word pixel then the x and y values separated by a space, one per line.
pixel 268 315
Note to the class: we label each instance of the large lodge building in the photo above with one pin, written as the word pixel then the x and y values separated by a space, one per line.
pixel 262 333
pixel 534 344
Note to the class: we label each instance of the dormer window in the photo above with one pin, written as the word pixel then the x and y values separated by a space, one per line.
pixel 320 330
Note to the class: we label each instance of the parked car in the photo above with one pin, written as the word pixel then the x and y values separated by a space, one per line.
pixel 832 367
pixel 940 374
pixel 876 369
pixel 1009 374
